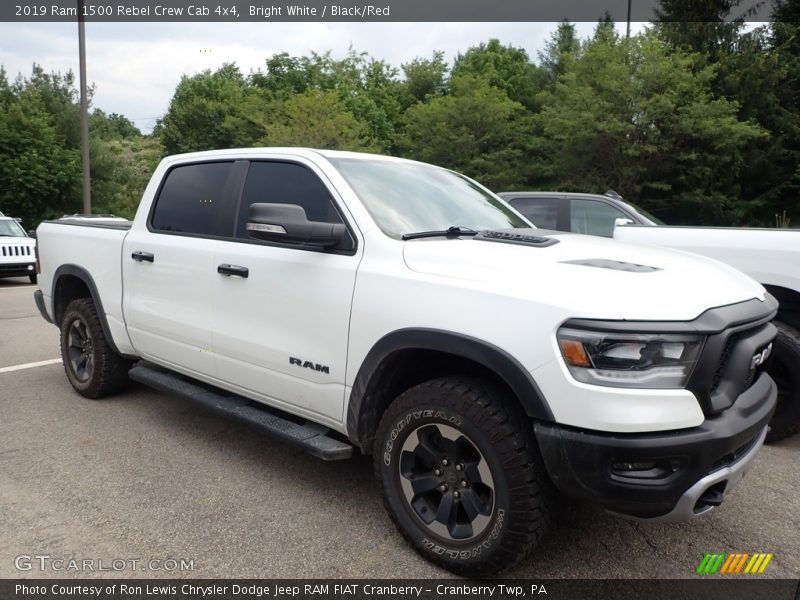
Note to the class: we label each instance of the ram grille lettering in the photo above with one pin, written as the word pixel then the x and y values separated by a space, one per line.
pixel 760 357
pixel 307 364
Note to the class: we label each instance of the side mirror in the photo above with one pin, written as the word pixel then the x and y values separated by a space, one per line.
pixel 32 233
pixel 288 224
pixel 621 222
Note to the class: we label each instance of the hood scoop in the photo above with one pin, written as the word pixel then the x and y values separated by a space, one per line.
pixel 524 237
pixel 616 265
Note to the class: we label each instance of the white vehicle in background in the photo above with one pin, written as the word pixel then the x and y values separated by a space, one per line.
pixel 17 250
pixel 771 257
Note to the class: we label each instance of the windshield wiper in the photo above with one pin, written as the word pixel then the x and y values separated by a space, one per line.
pixel 449 232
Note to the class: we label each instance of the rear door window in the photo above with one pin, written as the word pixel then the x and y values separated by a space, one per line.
pixel 193 199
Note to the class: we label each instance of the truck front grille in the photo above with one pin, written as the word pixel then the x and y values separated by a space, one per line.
pixel 733 371
pixel 16 251
pixel 726 354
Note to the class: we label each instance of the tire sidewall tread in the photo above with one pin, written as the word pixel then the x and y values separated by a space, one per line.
pixel 504 435
pixel 110 372
pixel 786 420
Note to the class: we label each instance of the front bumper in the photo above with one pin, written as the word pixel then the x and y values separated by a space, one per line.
pixel 17 269
pixel 669 476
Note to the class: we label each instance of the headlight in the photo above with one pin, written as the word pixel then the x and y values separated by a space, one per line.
pixel 630 360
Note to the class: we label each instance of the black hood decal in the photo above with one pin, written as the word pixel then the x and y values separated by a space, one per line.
pixel 525 237
pixel 616 265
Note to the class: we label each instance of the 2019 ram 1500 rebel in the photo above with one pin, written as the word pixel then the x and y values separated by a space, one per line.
pixel 345 301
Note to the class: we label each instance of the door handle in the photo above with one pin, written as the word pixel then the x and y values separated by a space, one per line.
pixel 233 270
pixel 139 256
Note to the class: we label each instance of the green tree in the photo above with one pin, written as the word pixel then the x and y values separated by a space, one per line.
pixel 58 97
pixel 757 76
pixel 562 43
pixel 287 75
pixel 121 169
pixel 636 117
pixel 370 89
pixel 199 114
pixel 112 126
pixel 425 78
pixel 39 158
pixel 773 97
pixel 38 175
pixel 317 119
pixel 753 68
pixel 475 129
pixel 504 67
pixel 6 95
pixel 709 28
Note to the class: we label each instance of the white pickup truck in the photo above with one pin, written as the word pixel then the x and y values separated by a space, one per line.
pixel 771 257
pixel 343 301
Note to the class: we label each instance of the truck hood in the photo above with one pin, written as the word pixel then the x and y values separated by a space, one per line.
pixel 592 277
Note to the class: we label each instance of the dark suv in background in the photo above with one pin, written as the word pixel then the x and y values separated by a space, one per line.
pixel 593 214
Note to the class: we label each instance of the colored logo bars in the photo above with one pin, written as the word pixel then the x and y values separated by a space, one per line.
pixel 734 563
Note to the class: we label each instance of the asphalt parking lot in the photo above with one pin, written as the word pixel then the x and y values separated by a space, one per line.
pixel 146 476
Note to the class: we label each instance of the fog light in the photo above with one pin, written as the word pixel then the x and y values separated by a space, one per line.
pixel 633 466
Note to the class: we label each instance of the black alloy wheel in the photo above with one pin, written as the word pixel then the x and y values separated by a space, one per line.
pixel 80 350
pixel 446 482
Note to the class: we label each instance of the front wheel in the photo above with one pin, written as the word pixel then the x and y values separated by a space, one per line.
pixel 92 366
pixel 783 368
pixel 461 475
pixel 32 277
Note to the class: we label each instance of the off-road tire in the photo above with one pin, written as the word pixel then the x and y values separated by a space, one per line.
pixel 106 371
pixel 496 427
pixel 33 278
pixel 784 367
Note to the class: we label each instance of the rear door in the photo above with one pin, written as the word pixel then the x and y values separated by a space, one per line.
pixel 169 270
pixel 281 331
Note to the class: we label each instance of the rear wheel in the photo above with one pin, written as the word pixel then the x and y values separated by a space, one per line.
pixel 92 366
pixel 461 475
pixel 784 368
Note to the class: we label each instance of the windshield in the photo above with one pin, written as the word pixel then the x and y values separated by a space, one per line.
pixel 11 228
pixel 407 197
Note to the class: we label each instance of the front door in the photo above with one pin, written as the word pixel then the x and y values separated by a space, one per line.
pixel 281 331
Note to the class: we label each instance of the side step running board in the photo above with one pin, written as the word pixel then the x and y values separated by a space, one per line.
pixel 311 437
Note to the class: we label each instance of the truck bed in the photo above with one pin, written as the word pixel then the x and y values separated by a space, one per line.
pixel 93 245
